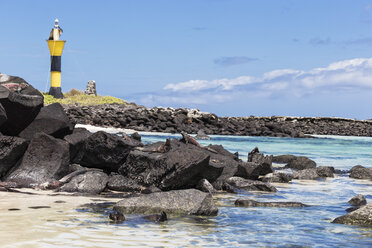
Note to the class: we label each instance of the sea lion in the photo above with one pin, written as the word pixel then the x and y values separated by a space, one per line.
pixel 157 217
pixel 117 217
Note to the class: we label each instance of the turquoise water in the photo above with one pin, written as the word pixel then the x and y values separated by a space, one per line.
pixel 234 226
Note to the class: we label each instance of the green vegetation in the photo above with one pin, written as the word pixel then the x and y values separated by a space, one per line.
pixel 77 96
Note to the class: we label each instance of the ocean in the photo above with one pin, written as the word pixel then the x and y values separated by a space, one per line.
pixel 83 221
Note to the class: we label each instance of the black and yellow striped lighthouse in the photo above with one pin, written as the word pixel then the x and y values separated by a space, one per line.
pixel 56 49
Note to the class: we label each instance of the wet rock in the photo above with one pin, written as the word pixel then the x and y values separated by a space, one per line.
pixel 45 159
pixel 11 151
pixel 277 177
pixel 205 186
pixel 264 162
pixel 92 182
pixel 120 183
pixel 325 171
pixel 252 203
pixel 360 172
pixel 306 174
pixel 250 185
pixel 21 102
pixel 136 136
pixel 76 141
pixel 359 217
pixel 181 202
pixel 202 136
pixel 252 170
pixel 51 120
pixel 301 163
pixel 358 200
pixel 283 159
pixel 105 151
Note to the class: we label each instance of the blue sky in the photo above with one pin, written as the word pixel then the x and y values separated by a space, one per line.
pixel 229 57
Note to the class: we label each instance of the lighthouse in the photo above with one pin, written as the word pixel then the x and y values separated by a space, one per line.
pixel 56 48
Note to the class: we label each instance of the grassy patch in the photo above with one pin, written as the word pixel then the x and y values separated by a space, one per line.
pixel 77 96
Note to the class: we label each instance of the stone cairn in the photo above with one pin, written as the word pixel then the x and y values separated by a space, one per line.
pixel 91 88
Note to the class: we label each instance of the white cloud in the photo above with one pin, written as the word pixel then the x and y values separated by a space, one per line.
pixel 356 73
pixel 353 75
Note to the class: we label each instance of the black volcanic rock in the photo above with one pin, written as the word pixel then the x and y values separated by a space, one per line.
pixel 51 120
pixel 45 159
pixel 3 116
pixel 11 151
pixel 76 141
pixel 21 102
pixel 191 121
pixel 359 217
pixel 176 202
pixel 301 163
pixel 105 151
pixel 360 172
pixel 277 177
pixel 183 166
pixel 250 185
pixel 253 203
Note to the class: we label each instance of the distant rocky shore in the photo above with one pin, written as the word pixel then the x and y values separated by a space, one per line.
pixel 171 120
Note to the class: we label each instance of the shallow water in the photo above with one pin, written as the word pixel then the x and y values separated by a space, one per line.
pixel 69 224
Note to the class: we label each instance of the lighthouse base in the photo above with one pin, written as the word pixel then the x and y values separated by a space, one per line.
pixel 56 92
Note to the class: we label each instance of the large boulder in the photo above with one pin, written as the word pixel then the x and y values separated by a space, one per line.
pixel 180 167
pixel 359 217
pixel 301 163
pixel 76 141
pixel 180 202
pixel 3 116
pixel 120 183
pixel 105 151
pixel 91 182
pixel 295 162
pixel 277 177
pixel 325 171
pixel 45 159
pixel 252 170
pixel 51 120
pixel 253 203
pixel 283 159
pixel 21 102
pixel 250 185
pixel 11 151
pixel 358 200
pixel 306 174
pixel 360 172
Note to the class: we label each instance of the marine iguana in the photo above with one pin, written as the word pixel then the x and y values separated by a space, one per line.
pixel 164 147
pixel 188 139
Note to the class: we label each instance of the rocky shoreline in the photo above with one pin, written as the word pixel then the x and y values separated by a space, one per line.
pixel 42 149
pixel 171 120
